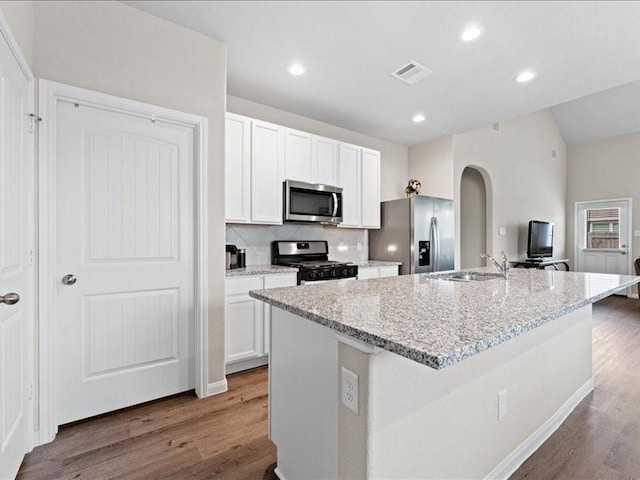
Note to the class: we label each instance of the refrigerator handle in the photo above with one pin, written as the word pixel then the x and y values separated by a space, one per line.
pixel 435 246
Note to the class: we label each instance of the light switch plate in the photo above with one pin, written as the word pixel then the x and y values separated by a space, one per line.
pixel 636 233
pixel 502 231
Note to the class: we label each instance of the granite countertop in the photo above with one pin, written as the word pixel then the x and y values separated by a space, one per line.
pixel 374 263
pixel 259 270
pixel 438 322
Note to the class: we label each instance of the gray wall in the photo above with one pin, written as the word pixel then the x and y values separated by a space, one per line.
pixel 523 181
pixel 473 218
pixel 601 170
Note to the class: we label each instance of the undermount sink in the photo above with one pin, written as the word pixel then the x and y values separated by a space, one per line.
pixel 469 276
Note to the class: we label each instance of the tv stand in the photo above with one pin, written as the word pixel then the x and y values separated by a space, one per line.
pixel 541 263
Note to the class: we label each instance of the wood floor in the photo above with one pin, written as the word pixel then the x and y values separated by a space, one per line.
pixel 225 437
pixel 180 437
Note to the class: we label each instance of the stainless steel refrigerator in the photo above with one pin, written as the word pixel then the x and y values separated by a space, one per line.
pixel 417 231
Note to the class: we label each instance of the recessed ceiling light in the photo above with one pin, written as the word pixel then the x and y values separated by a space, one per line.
pixel 296 69
pixel 418 118
pixel 526 76
pixel 471 33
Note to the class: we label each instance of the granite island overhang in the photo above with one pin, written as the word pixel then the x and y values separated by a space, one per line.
pixel 431 357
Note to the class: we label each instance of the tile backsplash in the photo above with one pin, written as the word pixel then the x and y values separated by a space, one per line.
pixel 345 244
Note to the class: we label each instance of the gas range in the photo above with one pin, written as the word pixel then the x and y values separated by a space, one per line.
pixel 311 258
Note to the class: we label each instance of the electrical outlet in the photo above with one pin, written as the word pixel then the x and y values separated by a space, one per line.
pixel 359 246
pixel 350 390
pixel 502 404
pixel 636 233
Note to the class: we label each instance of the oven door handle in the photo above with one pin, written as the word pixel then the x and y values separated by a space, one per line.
pixel 335 204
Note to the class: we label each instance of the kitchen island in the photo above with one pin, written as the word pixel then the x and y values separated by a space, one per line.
pixel 453 379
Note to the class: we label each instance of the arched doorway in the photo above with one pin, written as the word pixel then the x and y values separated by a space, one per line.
pixel 473 218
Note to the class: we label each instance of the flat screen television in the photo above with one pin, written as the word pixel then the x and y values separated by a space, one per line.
pixel 540 239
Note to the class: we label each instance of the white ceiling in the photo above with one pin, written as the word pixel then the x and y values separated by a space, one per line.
pixel 349 49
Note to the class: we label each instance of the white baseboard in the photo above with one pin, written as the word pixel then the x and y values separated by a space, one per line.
pixel 634 295
pixel 217 387
pixel 247 364
pixel 279 474
pixel 516 458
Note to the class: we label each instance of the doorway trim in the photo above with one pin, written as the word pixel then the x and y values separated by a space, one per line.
pixel 50 93
pixel 629 238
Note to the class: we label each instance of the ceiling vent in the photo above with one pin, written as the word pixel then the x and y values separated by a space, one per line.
pixel 411 72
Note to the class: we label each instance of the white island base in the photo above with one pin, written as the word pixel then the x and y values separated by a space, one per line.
pixel 414 421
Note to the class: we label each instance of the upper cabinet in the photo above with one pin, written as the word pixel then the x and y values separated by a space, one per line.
pixel 360 181
pixel 237 162
pixel 297 155
pixel 310 158
pixel 266 173
pixel 370 188
pixel 324 161
pixel 259 156
pixel 350 181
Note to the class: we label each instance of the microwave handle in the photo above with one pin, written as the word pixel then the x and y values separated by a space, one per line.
pixel 335 204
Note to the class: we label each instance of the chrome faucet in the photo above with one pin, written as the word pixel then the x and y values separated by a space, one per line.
pixel 502 268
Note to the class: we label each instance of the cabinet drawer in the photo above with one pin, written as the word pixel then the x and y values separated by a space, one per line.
pixel 236 286
pixel 391 271
pixel 364 273
pixel 274 281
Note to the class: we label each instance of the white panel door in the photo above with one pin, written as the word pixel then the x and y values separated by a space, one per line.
pixel 602 237
pixel 370 188
pixel 266 173
pixel 15 269
pixel 237 163
pixel 350 182
pixel 324 161
pixel 297 155
pixel 125 231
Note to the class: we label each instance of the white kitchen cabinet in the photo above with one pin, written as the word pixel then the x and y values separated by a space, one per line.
pixel 297 155
pixel 360 180
pixel 267 158
pixel 237 169
pixel 350 181
pixel 260 155
pixel 245 320
pixel 370 188
pixel 365 273
pixel 324 161
pixel 247 326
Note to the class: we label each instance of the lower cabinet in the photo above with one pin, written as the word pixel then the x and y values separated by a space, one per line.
pixel 377 272
pixel 248 321
pixel 247 332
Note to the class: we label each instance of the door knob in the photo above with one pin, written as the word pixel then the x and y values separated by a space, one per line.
pixel 10 298
pixel 69 279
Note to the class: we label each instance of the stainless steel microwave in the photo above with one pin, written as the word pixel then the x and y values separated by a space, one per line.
pixel 309 202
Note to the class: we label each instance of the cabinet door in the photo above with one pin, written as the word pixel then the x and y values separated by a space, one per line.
pixel 244 332
pixel 365 273
pixel 297 155
pixel 349 180
pixel 370 188
pixel 237 159
pixel 274 281
pixel 324 161
pixel 266 173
